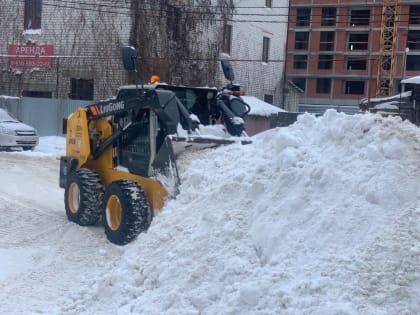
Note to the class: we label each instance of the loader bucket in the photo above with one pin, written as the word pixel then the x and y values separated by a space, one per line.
pixel 165 164
pixel 165 169
pixel 193 143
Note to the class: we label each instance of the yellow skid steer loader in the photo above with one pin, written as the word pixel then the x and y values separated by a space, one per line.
pixel 120 164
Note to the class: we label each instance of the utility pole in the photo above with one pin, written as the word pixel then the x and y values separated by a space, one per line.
pixel 406 51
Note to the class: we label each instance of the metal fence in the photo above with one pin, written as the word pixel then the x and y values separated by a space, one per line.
pixel 45 115
pixel 321 109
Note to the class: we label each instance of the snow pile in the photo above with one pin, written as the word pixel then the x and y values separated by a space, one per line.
pixel 321 217
pixel 388 105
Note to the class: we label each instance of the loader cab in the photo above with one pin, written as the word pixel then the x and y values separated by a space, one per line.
pixel 199 101
pixel 210 105
pixel 136 148
pixel 141 148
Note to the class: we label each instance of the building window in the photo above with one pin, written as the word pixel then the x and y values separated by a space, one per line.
pixel 326 42
pixel 301 40
pixel 303 16
pixel 413 39
pixel 414 16
pixel 329 16
pixel 300 61
pixel 413 62
pixel 32 16
pixel 266 49
pixel 81 89
pixel 269 98
pixel 269 3
pixel 323 86
pixel 356 63
pixel 359 17
pixel 354 87
pixel 325 61
pixel 358 41
pixel 227 39
pixel 300 83
pixel 174 19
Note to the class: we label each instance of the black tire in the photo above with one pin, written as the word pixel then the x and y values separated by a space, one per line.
pixel 83 197
pixel 28 148
pixel 126 212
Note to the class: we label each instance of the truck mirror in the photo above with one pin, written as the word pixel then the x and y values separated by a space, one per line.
pixel 227 70
pixel 239 107
pixel 129 58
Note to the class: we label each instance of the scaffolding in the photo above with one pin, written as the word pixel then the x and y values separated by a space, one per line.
pixel 388 43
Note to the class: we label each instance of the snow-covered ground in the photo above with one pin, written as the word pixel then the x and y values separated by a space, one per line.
pixel 322 217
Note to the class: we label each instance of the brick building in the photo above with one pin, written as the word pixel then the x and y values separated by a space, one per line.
pixel 71 49
pixel 61 49
pixel 334 48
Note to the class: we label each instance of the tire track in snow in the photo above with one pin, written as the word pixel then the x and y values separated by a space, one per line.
pixel 32 212
pixel 47 257
pixel 24 225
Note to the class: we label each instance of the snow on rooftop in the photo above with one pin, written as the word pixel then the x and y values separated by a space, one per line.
pixel 261 108
pixel 412 80
pixel 386 98
pixel 9 97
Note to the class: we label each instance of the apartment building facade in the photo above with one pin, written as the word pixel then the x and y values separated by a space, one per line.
pixel 334 48
pixel 71 49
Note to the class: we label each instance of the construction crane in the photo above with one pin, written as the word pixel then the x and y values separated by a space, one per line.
pixel 388 43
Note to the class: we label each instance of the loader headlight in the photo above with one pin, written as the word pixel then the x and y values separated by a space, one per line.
pixel 7 131
pixel 237 120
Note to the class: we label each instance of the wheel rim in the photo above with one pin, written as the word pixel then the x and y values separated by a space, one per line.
pixel 74 197
pixel 113 212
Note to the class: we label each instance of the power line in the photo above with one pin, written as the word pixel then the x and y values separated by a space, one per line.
pixel 94 8
pixel 64 6
pixel 197 6
pixel 96 57
pixel 179 6
pixel 161 16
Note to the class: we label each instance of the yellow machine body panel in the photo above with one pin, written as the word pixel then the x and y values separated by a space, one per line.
pixel 154 191
pixel 77 137
pixel 83 134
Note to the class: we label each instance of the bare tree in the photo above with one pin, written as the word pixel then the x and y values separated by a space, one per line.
pixel 179 42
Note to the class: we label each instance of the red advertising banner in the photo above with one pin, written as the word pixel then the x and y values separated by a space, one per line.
pixel 30 56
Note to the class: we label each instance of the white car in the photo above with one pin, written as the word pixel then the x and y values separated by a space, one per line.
pixel 15 135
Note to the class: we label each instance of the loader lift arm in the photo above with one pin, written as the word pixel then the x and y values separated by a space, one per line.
pixel 167 107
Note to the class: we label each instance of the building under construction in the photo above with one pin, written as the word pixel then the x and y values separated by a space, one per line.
pixel 341 51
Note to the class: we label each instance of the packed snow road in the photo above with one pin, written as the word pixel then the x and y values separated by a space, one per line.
pixel 43 257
